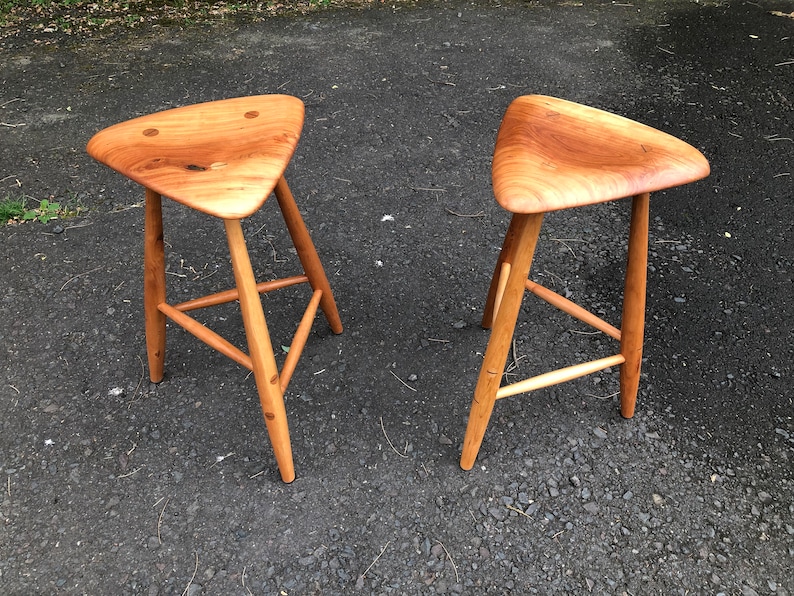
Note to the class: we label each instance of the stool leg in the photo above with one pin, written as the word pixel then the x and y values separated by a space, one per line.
pixel 154 284
pixel 506 255
pixel 524 230
pixel 261 351
pixel 307 253
pixel 633 320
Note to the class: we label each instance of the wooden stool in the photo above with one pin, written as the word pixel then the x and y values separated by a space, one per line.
pixel 552 154
pixel 223 158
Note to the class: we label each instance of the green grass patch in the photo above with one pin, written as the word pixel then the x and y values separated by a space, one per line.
pixel 23 209
pixel 11 209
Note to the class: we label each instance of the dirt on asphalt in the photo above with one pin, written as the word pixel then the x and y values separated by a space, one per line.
pixel 113 485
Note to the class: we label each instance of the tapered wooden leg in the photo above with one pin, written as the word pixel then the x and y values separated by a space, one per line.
pixel 525 229
pixel 506 255
pixel 633 321
pixel 261 351
pixel 307 253
pixel 154 284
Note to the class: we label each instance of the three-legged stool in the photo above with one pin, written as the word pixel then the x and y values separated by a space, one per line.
pixel 223 158
pixel 552 154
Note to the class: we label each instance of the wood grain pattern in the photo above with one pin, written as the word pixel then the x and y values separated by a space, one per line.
pixel 223 157
pixel 260 349
pixel 553 154
pixel 154 285
pixel 632 327
pixel 521 250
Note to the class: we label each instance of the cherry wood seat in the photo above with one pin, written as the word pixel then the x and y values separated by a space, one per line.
pixel 224 158
pixel 553 154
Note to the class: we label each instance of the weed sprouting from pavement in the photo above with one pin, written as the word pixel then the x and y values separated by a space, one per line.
pixel 43 213
pixel 17 209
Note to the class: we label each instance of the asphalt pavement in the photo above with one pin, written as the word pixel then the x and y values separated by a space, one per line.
pixel 114 485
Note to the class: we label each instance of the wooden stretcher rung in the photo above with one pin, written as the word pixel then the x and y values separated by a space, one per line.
pixel 231 295
pixel 208 336
pixel 559 376
pixel 572 309
pixel 299 340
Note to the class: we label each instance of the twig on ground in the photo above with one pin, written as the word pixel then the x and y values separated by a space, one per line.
pixel 516 359
pixel 135 471
pixel 441 82
pixel 371 565
pixel 383 428
pixel 140 382
pixel 219 459
pixel 71 279
pixel 128 207
pixel 246 588
pixel 610 396
pixel 454 567
pixel 428 189
pixel 403 382
pixel 554 276
pixel 275 254
pixel 160 521
pixel 455 213
pixel 203 277
pixel 192 577
pixel 82 225
pixel 564 242
pixel 517 510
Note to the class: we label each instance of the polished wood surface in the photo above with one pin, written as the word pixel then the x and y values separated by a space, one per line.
pixel 154 284
pixel 632 328
pixel 223 157
pixel 261 351
pixel 520 249
pixel 553 154
pixel 307 254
